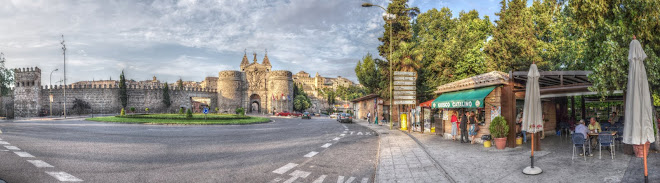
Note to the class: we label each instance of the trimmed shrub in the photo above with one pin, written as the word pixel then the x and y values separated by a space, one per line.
pixel 133 109
pixel 122 113
pixel 181 110
pixel 146 109
pixel 240 111
pixel 189 113
pixel 498 127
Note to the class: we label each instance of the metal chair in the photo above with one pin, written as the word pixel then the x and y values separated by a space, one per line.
pixel 579 141
pixel 605 139
pixel 619 135
pixel 606 126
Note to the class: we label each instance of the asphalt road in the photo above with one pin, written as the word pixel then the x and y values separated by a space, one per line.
pixel 285 150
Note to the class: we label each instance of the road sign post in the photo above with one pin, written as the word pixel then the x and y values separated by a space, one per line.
pixel 206 111
pixel 404 85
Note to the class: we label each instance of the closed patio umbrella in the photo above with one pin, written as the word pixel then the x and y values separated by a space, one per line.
pixel 532 120
pixel 638 127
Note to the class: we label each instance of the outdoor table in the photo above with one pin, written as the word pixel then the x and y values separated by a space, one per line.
pixel 596 134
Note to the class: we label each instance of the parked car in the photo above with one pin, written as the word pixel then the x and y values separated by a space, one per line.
pixel 306 115
pixel 333 115
pixel 345 118
pixel 296 114
pixel 283 113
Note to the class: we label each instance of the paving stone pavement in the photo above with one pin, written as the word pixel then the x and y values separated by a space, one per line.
pixel 401 159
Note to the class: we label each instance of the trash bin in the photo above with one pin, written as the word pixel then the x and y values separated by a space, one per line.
pixel 486 139
pixel 404 122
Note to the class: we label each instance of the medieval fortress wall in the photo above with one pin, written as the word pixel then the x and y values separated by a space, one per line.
pixel 254 87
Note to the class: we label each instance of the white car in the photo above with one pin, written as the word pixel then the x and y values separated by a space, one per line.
pixel 333 115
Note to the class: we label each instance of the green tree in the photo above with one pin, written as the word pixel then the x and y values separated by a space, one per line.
pixel 166 96
pixel 6 77
pixel 123 95
pixel 514 43
pixel 608 27
pixel 368 74
pixel 179 84
pixel 301 103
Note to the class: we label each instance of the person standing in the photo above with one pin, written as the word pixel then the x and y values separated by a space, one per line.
pixel 473 125
pixel 464 134
pixel 519 121
pixel 454 125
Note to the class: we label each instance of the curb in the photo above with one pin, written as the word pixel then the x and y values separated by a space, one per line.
pixel 435 161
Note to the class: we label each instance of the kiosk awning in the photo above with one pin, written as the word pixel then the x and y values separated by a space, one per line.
pixel 472 98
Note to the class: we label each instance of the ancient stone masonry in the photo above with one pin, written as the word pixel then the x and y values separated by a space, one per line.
pixel 254 87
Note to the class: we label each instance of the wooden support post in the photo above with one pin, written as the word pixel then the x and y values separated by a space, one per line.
pixel 508 102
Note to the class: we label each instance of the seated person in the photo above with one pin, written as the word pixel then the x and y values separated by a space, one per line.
pixel 594 125
pixel 580 128
pixel 614 118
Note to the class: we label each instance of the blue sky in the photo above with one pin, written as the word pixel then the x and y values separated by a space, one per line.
pixel 193 39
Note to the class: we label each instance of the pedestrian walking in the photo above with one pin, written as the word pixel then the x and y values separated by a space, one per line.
pixel 454 125
pixel 369 117
pixel 464 134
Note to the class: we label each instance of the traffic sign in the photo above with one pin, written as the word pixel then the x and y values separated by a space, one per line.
pixel 206 110
pixel 404 83
pixel 397 102
pixel 402 73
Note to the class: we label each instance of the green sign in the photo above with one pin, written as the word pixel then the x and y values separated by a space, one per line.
pixel 472 98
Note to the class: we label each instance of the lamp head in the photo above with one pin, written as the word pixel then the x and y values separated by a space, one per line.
pixel 367 5
pixel 56 70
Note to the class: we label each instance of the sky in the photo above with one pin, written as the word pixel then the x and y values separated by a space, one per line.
pixel 194 39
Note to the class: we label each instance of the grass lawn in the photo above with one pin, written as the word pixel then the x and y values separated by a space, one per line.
pixel 198 119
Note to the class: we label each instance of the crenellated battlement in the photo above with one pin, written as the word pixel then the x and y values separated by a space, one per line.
pixel 280 73
pixel 131 87
pixel 27 77
pixel 27 69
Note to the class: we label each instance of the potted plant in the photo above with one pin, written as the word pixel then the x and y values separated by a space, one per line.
pixel 499 129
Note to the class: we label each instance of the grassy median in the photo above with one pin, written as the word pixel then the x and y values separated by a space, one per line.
pixel 197 119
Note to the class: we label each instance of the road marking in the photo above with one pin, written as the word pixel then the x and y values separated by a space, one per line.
pixel 359 133
pixel 326 145
pixel 13 148
pixel 365 180
pixel 320 179
pixel 285 168
pixel 276 180
pixel 24 154
pixel 336 138
pixel 64 177
pixel 297 174
pixel 344 126
pixel 311 154
pixel 4 143
pixel 367 133
pixel 340 179
pixel 345 131
pixel 342 135
pixel 40 164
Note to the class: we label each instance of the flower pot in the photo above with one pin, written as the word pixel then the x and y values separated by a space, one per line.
pixel 639 148
pixel 500 143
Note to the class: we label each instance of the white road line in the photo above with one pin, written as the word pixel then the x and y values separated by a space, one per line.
pixel 365 180
pixel 276 180
pixel 285 168
pixel 4 143
pixel 64 177
pixel 326 145
pixel 40 164
pixel 346 131
pixel 359 133
pixel 311 154
pixel 344 126
pixel 340 179
pixel 24 154
pixel 336 138
pixel 320 179
pixel 13 148
pixel 341 135
pixel 297 174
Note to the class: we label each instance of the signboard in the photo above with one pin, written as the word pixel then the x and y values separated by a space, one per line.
pixel 404 88
pixel 206 110
pixel 51 97
pixel 460 104
pixel 400 102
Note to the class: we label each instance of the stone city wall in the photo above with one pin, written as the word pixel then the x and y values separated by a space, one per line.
pixel 104 99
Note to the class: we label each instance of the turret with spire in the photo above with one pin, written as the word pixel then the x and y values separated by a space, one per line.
pixel 266 62
pixel 245 62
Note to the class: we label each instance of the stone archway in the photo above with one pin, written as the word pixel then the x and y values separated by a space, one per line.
pixel 255 104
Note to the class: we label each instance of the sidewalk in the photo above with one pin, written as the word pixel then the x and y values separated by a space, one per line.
pixel 401 159
pixel 476 163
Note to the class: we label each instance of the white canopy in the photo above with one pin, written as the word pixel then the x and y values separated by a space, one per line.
pixel 638 127
pixel 532 120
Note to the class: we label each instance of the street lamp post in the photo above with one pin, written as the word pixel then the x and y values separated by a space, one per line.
pixel 64 53
pixel 389 17
pixel 50 88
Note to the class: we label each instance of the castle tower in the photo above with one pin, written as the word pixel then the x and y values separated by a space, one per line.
pixel 244 62
pixel 280 84
pixel 231 88
pixel 26 91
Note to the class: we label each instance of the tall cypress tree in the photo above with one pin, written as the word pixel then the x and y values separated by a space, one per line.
pixel 166 96
pixel 123 96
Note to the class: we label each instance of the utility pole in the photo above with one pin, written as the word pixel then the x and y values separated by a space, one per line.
pixel 64 53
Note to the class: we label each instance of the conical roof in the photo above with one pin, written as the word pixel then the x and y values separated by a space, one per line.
pixel 245 60
pixel 266 61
